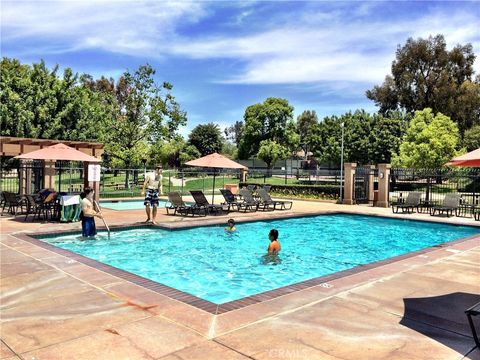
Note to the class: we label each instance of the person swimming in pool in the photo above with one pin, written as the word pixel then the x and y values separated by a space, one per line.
pixel 230 228
pixel 274 247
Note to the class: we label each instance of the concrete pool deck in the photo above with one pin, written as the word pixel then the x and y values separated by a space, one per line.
pixel 53 307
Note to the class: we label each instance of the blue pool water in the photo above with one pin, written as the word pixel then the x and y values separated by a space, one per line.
pixel 220 267
pixel 127 205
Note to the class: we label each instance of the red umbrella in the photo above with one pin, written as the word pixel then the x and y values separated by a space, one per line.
pixel 471 159
pixel 215 161
pixel 58 152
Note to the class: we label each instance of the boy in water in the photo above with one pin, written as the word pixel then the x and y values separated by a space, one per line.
pixel 230 228
pixel 274 246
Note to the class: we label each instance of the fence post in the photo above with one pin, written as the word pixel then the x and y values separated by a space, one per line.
pixel 383 185
pixel 371 180
pixel 349 183
pixel 169 179
pixel 49 174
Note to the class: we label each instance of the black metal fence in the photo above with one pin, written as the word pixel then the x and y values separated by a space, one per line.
pixel 435 183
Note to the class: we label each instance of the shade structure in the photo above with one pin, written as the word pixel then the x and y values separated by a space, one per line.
pixel 471 159
pixel 215 161
pixel 58 152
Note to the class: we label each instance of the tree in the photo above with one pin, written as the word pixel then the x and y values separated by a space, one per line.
pixel 306 123
pixel 229 150
pixel 206 138
pixel 426 75
pixel 174 153
pixel 270 152
pixel 234 133
pixel 430 141
pixel 368 139
pixel 146 113
pixel 471 139
pixel 265 121
pixel 36 102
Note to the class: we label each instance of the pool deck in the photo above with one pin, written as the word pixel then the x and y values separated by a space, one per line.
pixel 55 307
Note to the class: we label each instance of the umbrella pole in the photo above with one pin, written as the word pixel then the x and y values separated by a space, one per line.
pixel 213 190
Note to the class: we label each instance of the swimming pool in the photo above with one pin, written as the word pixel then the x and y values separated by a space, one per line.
pixel 208 263
pixel 128 204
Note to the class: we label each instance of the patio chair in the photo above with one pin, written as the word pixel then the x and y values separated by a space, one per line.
pixel 248 197
pixel 201 201
pixel 450 204
pixel 411 202
pixel 231 201
pixel 13 202
pixel 266 199
pixel 34 207
pixel 179 207
pixel 476 214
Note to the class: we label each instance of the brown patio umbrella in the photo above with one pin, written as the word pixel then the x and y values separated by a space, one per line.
pixel 471 159
pixel 58 152
pixel 215 161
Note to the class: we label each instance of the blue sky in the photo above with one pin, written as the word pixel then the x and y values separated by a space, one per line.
pixel 222 56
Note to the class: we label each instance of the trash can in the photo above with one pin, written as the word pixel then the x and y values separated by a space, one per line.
pixel 232 187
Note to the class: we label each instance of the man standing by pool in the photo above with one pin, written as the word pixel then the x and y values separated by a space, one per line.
pixel 153 185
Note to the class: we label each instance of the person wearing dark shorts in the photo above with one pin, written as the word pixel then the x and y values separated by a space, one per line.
pixel 88 213
pixel 152 188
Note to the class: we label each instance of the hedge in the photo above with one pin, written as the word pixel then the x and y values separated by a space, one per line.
pixel 320 191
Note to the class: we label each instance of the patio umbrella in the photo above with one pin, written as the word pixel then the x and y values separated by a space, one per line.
pixel 215 161
pixel 471 159
pixel 58 152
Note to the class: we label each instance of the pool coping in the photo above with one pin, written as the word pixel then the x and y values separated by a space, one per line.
pixel 218 309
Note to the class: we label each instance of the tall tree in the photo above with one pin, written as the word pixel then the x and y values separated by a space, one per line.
pixel 426 75
pixel 368 139
pixel 207 138
pixel 306 123
pixel 36 102
pixel 234 133
pixel 430 141
pixel 265 121
pixel 471 140
pixel 146 113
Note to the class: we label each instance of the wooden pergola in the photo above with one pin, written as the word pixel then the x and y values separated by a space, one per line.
pixel 14 146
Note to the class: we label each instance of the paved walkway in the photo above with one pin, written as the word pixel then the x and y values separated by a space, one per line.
pixel 53 307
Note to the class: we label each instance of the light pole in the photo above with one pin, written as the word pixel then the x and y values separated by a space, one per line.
pixel 342 125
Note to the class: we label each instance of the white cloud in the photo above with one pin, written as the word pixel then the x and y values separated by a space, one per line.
pixel 127 27
pixel 316 46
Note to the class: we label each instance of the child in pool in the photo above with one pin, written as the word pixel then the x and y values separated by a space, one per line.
pixel 274 246
pixel 230 228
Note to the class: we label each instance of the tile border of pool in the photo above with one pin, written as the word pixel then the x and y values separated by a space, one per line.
pixel 218 309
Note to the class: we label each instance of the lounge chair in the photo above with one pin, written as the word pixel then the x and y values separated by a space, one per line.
pixel 450 204
pixel 248 197
pixel 231 201
pixel 201 201
pixel 179 207
pixel 411 202
pixel 266 199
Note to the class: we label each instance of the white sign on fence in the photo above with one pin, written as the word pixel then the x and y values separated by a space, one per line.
pixel 93 172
